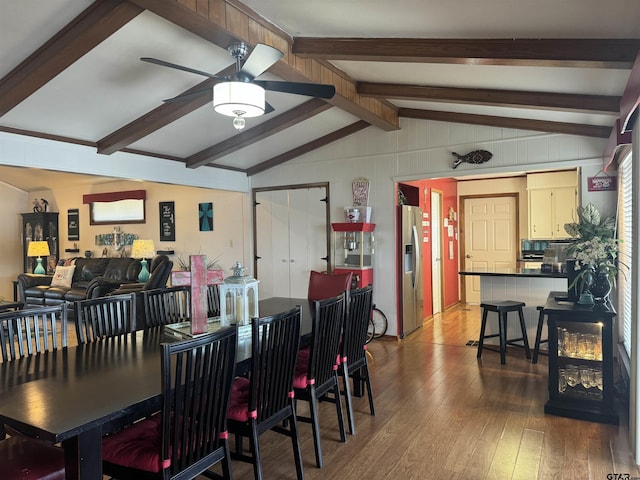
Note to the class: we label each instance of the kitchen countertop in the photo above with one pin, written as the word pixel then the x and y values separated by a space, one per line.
pixel 514 272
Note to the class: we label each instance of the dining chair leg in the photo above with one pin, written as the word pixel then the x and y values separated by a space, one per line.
pixel 367 380
pixel 348 400
pixel 297 453
pixel 315 426
pixel 336 390
pixel 255 451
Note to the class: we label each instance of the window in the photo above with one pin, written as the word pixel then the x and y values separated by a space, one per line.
pixel 625 229
pixel 116 207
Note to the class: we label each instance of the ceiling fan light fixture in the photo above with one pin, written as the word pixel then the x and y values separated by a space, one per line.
pixel 229 98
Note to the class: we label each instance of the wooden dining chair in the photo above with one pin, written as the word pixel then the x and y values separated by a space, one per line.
pixel 264 400
pixel 105 317
pixel 213 301
pixel 164 306
pixel 353 350
pixel 24 333
pixel 189 435
pixel 26 458
pixel 316 374
pixel 327 285
pixel 32 331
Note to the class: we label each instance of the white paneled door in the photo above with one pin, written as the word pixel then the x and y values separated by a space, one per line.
pixel 489 238
pixel 291 239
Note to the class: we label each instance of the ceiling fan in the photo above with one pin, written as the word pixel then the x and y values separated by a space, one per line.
pixel 241 95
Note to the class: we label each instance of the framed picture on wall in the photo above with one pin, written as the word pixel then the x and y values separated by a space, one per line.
pixel 73 224
pixel 167 222
pixel 205 217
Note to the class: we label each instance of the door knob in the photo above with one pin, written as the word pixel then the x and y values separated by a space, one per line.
pixel 468 256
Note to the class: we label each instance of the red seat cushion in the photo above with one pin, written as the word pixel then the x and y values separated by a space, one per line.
pixel 137 446
pixel 239 402
pixel 300 377
pixel 24 458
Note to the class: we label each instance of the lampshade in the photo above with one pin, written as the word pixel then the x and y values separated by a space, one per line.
pixel 238 99
pixel 38 249
pixel 143 249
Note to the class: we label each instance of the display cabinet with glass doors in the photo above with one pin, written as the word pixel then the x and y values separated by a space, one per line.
pixel 580 360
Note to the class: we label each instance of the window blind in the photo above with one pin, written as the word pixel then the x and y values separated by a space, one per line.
pixel 625 231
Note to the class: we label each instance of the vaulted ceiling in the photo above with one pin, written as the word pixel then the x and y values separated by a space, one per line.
pixel 70 70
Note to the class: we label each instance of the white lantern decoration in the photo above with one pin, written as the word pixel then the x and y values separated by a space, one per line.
pixel 238 297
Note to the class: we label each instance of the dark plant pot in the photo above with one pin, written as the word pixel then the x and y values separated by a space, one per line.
pixel 601 287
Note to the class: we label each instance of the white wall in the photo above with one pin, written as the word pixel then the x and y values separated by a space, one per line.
pixel 421 149
pixel 13 201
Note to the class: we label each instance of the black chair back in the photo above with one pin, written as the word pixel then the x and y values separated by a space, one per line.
pixel 326 334
pixel 105 317
pixel 36 330
pixel 354 336
pixel 275 342
pixel 196 383
pixel 213 301
pixel 164 306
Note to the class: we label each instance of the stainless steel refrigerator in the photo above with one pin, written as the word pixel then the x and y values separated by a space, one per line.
pixel 410 262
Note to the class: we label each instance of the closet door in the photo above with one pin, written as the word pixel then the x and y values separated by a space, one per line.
pixel 291 239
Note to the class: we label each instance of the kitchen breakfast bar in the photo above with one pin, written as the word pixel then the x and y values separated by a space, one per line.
pixel 528 285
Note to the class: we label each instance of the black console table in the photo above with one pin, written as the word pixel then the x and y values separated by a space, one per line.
pixel 580 360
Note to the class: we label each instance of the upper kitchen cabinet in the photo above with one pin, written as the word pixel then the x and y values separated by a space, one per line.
pixel 553 199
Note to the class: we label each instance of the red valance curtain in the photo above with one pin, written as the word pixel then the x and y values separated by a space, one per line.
pixel 114 196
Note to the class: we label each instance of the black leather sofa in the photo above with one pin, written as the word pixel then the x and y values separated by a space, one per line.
pixel 92 278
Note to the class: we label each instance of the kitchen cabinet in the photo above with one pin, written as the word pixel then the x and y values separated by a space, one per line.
pixel 38 227
pixel 553 199
pixel 580 360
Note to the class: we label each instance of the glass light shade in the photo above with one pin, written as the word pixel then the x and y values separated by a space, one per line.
pixel 238 99
pixel 38 249
pixel 143 249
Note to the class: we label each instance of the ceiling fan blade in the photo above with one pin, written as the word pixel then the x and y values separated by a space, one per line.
pixel 310 89
pixel 259 60
pixel 190 96
pixel 268 108
pixel 178 67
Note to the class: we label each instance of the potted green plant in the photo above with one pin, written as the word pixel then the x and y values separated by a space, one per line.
pixel 595 252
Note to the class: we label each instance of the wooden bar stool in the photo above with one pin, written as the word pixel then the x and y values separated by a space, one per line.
pixel 536 347
pixel 502 308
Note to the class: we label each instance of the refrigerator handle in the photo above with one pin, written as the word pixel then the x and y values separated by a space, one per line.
pixel 416 257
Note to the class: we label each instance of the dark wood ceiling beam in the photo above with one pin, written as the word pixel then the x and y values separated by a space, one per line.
pixel 507 98
pixel 603 53
pixel 508 122
pixel 223 22
pixel 90 28
pixel 157 118
pixel 259 132
pixel 308 147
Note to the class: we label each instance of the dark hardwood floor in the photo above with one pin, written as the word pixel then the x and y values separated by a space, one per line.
pixel 442 414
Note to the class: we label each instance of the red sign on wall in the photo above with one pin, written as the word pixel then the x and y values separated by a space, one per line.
pixel 601 183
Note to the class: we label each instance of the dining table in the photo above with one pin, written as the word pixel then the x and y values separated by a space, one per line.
pixel 77 394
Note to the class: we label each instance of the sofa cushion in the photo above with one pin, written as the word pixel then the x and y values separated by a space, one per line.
pixel 75 294
pixel 89 268
pixel 63 276
pixel 36 291
pixel 57 293
pixel 117 269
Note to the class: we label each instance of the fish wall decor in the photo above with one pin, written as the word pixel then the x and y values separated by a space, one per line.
pixel 477 157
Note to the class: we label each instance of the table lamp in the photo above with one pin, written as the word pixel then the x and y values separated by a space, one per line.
pixel 143 249
pixel 38 249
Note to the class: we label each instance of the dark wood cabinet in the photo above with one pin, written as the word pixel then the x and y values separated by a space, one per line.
pixel 580 360
pixel 38 227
